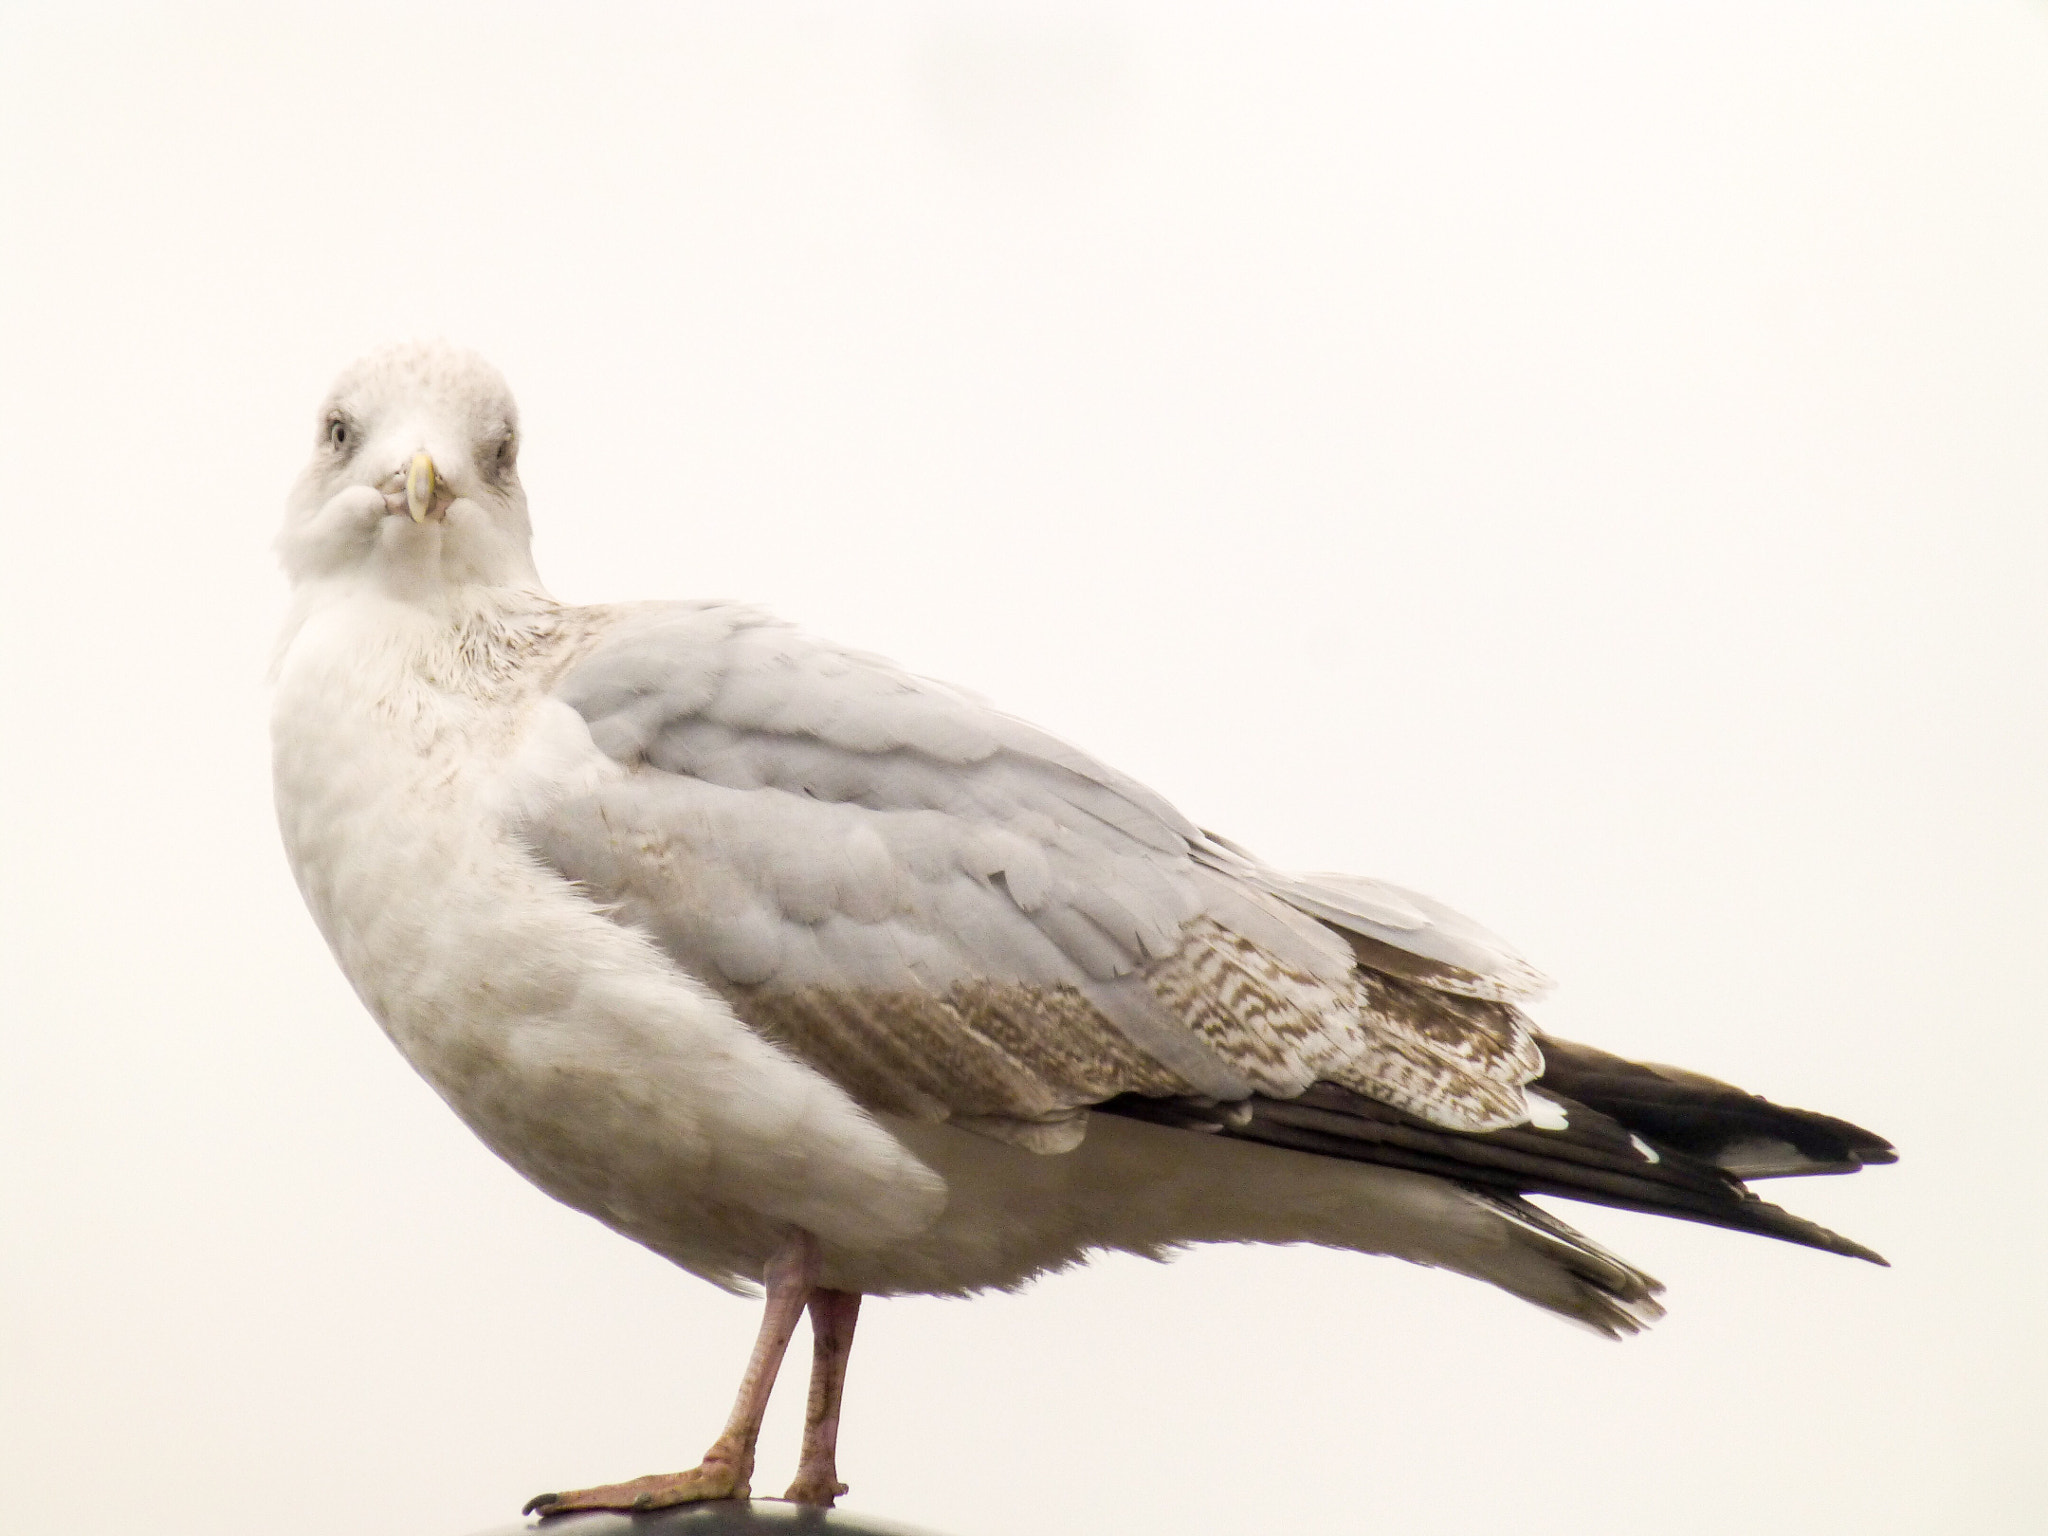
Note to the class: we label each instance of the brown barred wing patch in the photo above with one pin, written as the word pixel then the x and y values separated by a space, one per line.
pixel 1278 1023
pixel 1490 1038
pixel 1457 1061
pixel 1399 1073
pixel 1020 1063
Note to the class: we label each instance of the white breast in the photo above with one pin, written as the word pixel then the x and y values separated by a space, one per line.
pixel 407 745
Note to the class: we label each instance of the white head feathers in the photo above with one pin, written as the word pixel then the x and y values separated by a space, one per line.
pixel 428 418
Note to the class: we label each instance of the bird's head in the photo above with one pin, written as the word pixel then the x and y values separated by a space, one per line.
pixel 414 479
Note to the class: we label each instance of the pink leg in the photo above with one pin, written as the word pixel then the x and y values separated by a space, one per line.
pixel 833 1315
pixel 791 1278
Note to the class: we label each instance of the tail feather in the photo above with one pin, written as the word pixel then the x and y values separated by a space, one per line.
pixel 1600 1291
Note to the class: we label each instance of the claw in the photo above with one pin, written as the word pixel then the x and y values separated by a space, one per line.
pixel 540 1503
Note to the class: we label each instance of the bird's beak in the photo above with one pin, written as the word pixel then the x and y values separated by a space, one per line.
pixel 420 486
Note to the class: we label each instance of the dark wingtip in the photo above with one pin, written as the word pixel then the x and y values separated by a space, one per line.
pixel 1848 1248
pixel 1775 1221
pixel 1740 1132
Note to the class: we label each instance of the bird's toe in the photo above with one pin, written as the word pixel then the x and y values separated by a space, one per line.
pixel 811 1488
pixel 712 1480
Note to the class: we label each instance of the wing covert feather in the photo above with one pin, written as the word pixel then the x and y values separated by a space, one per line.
pixel 955 915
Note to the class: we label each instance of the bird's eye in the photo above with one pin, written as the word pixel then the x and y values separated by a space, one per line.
pixel 508 450
pixel 338 434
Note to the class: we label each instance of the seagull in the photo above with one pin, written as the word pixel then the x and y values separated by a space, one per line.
pixel 816 976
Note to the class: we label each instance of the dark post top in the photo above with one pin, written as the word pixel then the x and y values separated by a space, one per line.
pixel 718 1517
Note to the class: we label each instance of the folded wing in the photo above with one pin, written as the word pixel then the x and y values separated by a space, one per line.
pixel 957 916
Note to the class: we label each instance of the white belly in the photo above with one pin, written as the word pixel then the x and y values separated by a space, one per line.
pixel 571 1045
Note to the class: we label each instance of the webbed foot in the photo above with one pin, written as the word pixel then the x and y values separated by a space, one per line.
pixel 712 1480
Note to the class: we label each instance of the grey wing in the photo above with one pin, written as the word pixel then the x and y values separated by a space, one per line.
pixel 956 916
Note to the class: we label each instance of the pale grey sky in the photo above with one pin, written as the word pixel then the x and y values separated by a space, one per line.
pixel 1584 461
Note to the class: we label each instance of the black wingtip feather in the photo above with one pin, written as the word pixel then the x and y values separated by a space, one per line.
pixel 1598 1158
pixel 1739 1132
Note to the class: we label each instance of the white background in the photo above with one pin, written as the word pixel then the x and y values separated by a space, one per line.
pixel 1584 461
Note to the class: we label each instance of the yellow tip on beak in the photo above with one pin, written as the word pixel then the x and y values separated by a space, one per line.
pixel 419 487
